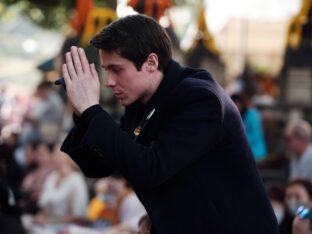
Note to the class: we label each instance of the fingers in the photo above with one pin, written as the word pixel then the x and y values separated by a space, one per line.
pixel 93 71
pixel 66 75
pixel 70 66
pixel 84 60
pixel 76 65
pixel 76 59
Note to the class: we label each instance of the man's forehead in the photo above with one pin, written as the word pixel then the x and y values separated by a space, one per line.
pixel 112 63
pixel 111 59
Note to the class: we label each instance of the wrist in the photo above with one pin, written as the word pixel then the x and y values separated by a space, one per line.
pixel 88 114
pixel 82 109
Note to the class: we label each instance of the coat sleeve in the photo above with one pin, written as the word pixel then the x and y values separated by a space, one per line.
pixel 85 157
pixel 191 134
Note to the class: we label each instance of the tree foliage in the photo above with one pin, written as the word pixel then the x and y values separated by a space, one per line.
pixel 48 13
pixel 56 13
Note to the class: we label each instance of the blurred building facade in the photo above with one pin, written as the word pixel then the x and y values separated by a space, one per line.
pixel 261 43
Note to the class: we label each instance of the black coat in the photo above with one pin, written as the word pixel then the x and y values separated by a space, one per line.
pixel 191 165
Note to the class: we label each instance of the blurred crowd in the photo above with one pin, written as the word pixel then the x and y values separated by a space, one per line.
pixel 43 191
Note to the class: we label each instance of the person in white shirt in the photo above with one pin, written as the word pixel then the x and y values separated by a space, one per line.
pixel 64 197
pixel 298 137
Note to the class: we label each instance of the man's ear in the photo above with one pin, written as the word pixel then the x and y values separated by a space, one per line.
pixel 152 62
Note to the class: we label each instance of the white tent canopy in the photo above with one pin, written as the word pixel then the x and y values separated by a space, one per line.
pixel 24 45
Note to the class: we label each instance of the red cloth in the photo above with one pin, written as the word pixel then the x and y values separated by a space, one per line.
pixel 82 9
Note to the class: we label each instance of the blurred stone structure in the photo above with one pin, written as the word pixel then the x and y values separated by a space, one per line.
pixel 203 52
pixel 296 74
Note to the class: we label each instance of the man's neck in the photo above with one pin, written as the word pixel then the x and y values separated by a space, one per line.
pixel 155 82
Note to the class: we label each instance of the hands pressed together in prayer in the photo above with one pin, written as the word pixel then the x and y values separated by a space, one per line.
pixel 81 79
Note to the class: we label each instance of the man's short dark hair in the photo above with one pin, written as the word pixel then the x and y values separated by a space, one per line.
pixel 134 37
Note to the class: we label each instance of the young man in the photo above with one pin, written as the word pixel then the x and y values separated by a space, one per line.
pixel 181 142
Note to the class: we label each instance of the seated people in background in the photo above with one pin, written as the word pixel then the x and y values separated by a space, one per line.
pixel 64 197
pixel 27 157
pixel 10 222
pixel 115 205
pixel 298 192
pixel 25 152
pixel 13 172
pixel 33 182
pixel 297 139
pixel 253 126
pixel 129 208
pixel 102 208
pixel 276 194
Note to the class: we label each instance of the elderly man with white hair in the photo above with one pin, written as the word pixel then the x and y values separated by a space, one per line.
pixel 298 142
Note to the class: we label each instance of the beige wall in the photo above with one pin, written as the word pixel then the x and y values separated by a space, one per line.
pixel 262 43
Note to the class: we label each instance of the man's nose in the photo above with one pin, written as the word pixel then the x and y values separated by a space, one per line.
pixel 110 80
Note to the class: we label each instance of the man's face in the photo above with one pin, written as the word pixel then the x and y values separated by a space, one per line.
pixel 292 144
pixel 127 83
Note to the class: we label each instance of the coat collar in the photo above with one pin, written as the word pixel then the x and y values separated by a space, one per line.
pixel 171 78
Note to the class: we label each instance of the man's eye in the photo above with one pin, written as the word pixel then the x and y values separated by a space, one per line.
pixel 116 71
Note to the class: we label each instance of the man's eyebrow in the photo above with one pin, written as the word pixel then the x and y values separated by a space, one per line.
pixel 111 66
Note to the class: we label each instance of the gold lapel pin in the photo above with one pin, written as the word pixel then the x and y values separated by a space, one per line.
pixel 137 131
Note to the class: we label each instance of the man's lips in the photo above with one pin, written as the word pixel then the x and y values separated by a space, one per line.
pixel 118 94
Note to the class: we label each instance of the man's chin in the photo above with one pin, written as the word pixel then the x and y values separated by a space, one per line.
pixel 124 102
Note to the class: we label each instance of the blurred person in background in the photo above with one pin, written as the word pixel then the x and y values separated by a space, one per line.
pixel 32 184
pixel 116 202
pixel 10 177
pixel 276 194
pixel 64 196
pixel 298 192
pixel 47 113
pixel 12 170
pixel 253 125
pixel 129 208
pixel 10 214
pixel 102 209
pixel 298 143
pixel 26 152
